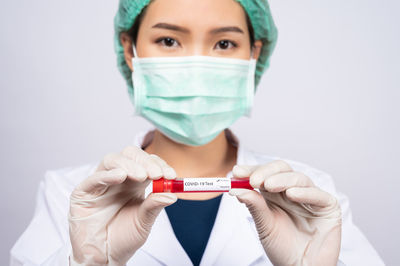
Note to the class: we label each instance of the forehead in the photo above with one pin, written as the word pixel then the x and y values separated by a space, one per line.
pixel 196 13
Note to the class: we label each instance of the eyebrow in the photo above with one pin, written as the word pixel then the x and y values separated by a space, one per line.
pixel 185 30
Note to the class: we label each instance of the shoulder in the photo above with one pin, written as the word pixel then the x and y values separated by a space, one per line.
pixel 47 232
pixel 56 187
pixel 67 178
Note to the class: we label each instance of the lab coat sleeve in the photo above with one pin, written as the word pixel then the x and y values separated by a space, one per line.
pixel 45 241
pixel 355 247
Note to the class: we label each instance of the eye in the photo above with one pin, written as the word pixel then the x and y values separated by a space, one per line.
pixel 226 44
pixel 166 41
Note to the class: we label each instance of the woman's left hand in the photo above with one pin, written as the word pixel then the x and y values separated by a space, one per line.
pixel 297 223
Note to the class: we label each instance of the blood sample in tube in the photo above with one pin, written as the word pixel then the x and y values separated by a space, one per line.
pixel 200 184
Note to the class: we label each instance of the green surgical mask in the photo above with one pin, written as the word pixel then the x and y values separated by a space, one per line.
pixel 191 99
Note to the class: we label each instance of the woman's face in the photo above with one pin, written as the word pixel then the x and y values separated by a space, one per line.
pixel 192 27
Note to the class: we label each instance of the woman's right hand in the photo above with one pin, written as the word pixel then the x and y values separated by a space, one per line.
pixel 109 217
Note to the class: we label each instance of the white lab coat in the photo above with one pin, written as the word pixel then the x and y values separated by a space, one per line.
pixel 233 239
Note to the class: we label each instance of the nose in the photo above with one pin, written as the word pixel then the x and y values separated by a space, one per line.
pixel 199 50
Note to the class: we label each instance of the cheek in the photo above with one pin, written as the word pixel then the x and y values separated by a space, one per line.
pixel 247 52
pixel 244 51
pixel 143 43
pixel 146 47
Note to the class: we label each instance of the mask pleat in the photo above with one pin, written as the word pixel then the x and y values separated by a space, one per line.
pixel 196 127
pixel 195 105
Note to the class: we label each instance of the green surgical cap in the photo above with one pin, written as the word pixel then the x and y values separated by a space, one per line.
pixel 257 10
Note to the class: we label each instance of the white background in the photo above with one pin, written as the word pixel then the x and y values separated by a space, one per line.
pixel 330 99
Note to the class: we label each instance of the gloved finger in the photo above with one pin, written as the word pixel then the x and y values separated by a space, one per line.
pixel 135 171
pixel 151 207
pixel 141 157
pixel 168 171
pixel 283 181
pixel 311 195
pixel 243 171
pixel 257 206
pixel 99 181
pixel 258 177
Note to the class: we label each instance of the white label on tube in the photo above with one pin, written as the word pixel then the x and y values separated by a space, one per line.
pixel 208 183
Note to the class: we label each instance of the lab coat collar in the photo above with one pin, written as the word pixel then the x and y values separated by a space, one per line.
pixel 233 236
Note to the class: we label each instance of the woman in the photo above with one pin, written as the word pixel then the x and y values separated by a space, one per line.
pixel 192 68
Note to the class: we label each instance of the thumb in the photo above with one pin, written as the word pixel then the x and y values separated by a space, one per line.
pixel 258 207
pixel 152 206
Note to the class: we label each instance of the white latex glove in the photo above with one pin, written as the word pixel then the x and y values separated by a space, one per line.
pixel 297 223
pixel 109 216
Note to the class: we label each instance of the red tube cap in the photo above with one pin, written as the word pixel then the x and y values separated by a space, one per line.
pixel 158 185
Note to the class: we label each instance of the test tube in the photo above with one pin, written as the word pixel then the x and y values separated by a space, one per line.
pixel 200 184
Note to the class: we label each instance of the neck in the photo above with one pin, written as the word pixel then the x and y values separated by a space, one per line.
pixel 216 158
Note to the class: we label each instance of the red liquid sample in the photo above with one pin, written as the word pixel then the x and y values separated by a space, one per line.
pixel 177 185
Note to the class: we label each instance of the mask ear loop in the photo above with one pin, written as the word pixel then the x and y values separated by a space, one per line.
pixel 138 83
pixel 251 83
pixel 134 50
